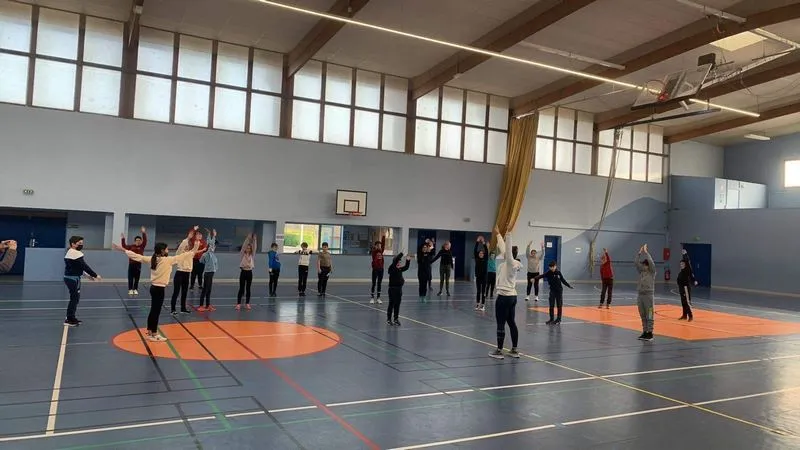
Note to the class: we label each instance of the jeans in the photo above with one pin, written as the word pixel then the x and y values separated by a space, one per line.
pixel 74 287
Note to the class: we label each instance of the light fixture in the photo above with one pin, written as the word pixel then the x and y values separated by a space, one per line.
pixel 724 108
pixel 481 51
pixel 757 137
pixel 713 11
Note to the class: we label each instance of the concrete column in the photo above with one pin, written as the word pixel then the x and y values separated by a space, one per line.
pixel 279 226
pixel 403 242
pixel 268 235
pixel 116 224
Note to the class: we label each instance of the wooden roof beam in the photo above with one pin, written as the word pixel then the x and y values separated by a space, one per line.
pixel 769 114
pixel 771 71
pixel 529 22
pixel 692 36
pixel 321 33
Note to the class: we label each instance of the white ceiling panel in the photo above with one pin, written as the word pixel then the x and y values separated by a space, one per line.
pixel 109 9
pixel 781 126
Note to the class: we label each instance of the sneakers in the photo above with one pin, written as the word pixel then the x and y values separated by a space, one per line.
pixel 557 322
pixel 372 301
pixel 156 338
pixel 72 323
pixel 608 306
pixel 690 318
pixel 238 307
pixel 599 306
pixel 483 307
pixel 647 336
pixel 527 297
pixel 682 318
pixel 513 353
pixel 174 313
pixel 185 311
pixel 478 307
pixel 380 302
pixel 202 309
pixel 536 299
pixel 396 323
pixel 247 307
pixel 497 354
pixel 130 292
pixel 135 292
pixel 550 322
pixel 211 308
pixel 390 323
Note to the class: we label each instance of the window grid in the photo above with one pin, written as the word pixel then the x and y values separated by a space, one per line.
pixel 652 137
pixel 463 123
pixel 79 63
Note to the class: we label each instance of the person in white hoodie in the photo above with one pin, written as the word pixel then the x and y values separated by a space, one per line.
pixel 505 305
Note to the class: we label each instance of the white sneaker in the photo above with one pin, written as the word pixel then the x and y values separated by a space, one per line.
pixel 156 338
pixel 371 301
pixel 477 307
pixel 527 298
pixel 483 307
pixel 135 292
pixel 536 299
pixel 130 292
pixel 380 302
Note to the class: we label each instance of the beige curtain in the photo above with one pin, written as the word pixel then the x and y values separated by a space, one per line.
pixel 519 164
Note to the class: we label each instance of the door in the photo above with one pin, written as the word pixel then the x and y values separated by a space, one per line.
pixel 552 250
pixel 48 232
pixel 458 246
pixel 700 258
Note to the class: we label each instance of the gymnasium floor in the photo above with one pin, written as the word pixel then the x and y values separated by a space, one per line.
pixel 331 375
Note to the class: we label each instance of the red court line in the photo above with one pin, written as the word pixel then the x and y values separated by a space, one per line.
pixel 286 378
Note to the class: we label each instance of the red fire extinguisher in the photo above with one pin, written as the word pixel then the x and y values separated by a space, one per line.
pixel 667 273
pixel 666 254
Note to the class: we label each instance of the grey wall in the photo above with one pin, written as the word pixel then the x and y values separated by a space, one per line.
pixel 751 249
pixel 762 162
pixel 696 159
pixel 691 192
pixel 570 206
pixel 136 167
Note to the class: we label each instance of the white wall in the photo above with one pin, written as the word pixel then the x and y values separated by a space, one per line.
pixel 695 159
pixel 77 161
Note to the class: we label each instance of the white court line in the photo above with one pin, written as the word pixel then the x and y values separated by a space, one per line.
pixel 539 383
pixel 387 399
pixel 675 369
pixel 88 308
pixel 591 420
pixel 51 418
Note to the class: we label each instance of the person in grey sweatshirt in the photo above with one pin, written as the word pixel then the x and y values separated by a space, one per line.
pixel 646 291
pixel 534 269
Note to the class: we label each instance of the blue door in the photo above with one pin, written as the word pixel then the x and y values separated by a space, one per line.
pixel 552 250
pixel 700 258
pixel 49 232
pixel 457 246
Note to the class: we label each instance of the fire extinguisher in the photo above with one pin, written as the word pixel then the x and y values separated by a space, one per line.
pixel 667 273
pixel 666 254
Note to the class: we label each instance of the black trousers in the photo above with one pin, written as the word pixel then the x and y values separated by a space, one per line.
pixel 444 278
pixel 395 297
pixel 205 294
pixel 377 280
pixel 157 294
pixel 556 300
pixel 424 278
pixel 504 312
pixel 245 282
pixel 134 273
pixel 197 274
pixel 480 287
pixel 74 288
pixel 302 278
pixel 686 298
pixel 322 279
pixel 491 280
pixel 532 281
pixel 274 274
pixel 181 286
pixel 608 288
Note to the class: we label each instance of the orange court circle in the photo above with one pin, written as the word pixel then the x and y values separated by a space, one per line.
pixel 230 341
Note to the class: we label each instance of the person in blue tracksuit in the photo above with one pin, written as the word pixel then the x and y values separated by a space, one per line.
pixel 274 267
pixel 74 268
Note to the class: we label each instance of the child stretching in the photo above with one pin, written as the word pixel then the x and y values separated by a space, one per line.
pixel 685 282
pixel 197 265
pixel 424 261
pixel 74 268
pixel 396 282
pixel 302 268
pixel 534 269
pixel 274 265
pixel 445 267
pixel 135 267
pixel 504 307
pixel 555 280
pixel 491 273
pixel 377 269
pixel 646 290
pixel 184 272
pixel 481 254
pixel 160 270
pixel 246 271
pixel 324 269
pixel 210 266
pixel 607 276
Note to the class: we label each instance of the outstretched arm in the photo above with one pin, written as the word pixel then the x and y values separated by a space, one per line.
pixel 563 281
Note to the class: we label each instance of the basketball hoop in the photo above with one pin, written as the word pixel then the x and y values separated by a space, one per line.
pixel 354 214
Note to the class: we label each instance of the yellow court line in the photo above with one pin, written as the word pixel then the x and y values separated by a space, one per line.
pixel 587 374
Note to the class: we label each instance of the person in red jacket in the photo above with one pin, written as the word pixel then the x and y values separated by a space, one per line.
pixel 135 267
pixel 198 267
pixel 377 269
pixel 607 276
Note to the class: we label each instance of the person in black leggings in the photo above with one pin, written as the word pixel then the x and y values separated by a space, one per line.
pixel 445 267
pixel 246 267
pixel 183 273
pixel 396 282
pixel 555 280
pixel 505 305
pixel 481 255
pixel 424 261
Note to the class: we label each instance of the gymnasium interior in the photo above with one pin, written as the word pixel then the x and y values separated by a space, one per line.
pixel 578 128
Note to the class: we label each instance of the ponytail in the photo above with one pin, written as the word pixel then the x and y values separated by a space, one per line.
pixel 158 251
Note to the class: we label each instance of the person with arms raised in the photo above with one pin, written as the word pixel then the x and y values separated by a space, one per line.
pixel 645 289
pixel 8 254
pixel 607 277
pixel 506 303
pixel 135 267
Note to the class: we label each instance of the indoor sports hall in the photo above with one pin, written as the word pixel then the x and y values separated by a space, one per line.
pixel 385 224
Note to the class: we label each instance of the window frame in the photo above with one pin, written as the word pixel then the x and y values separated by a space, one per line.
pixel 786 162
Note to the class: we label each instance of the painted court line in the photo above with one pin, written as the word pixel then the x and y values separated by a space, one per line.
pixel 51 418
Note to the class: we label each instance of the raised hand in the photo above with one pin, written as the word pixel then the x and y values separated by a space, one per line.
pixel 143 230
pixel 117 247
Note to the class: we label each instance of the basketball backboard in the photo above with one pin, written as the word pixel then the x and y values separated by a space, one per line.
pixel 351 203
pixel 673 88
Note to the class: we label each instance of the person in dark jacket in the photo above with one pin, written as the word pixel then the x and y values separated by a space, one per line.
pixel 74 268
pixel 685 259
pixel 445 267
pixel 135 267
pixel 424 261
pixel 555 280
pixel 481 255
pixel 396 282
pixel 376 256
pixel 685 281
